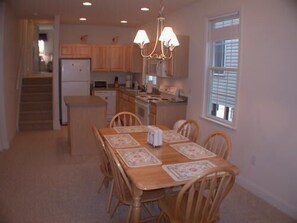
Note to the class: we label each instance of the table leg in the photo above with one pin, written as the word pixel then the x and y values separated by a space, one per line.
pixel 136 204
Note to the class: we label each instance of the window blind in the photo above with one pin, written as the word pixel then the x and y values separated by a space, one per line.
pixel 224 61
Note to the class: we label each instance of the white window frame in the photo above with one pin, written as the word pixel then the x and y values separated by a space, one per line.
pixel 206 110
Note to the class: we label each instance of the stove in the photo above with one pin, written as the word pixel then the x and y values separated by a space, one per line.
pixel 148 98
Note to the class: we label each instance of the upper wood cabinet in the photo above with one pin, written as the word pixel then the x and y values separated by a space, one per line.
pixel 100 58
pixel 120 58
pixel 178 65
pixel 108 58
pixel 75 51
pixel 117 58
pixel 133 59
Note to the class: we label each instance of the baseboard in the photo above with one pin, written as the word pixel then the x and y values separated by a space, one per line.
pixel 269 198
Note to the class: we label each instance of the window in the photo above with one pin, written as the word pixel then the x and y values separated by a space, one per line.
pixel 151 78
pixel 222 72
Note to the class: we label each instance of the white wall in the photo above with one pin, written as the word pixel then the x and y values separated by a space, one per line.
pixel 264 143
pixel 8 73
pixel 96 34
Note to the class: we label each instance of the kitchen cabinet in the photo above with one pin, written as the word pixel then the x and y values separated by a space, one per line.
pixel 100 58
pixel 178 65
pixel 117 58
pixel 108 58
pixel 125 102
pixel 175 67
pixel 161 113
pixel 75 51
pixel 133 59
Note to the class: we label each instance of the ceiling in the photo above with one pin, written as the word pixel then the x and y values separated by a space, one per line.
pixel 102 12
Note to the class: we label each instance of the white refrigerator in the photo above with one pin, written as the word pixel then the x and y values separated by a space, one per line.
pixel 75 77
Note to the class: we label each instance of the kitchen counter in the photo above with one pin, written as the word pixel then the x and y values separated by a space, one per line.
pixel 83 113
pixel 84 101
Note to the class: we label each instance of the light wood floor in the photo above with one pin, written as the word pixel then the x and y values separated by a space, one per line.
pixel 40 182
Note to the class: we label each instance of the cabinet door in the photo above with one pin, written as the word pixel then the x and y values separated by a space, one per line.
pixel 117 56
pixel 136 59
pixel 83 51
pixel 67 51
pixel 100 58
pixel 127 58
pixel 177 66
pixel 75 51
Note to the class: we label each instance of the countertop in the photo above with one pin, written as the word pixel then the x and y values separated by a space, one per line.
pixel 84 101
pixel 134 93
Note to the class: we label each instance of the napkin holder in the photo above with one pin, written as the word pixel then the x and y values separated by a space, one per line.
pixel 154 136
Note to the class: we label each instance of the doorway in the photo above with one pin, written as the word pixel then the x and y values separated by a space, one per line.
pixel 43 46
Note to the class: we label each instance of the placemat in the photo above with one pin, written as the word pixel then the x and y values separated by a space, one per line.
pixel 192 150
pixel 121 140
pixel 138 157
pixel 171 136
pixel 130 129
pixel 186 171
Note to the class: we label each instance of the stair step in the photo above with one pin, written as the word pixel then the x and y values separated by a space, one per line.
pixel 37 80
pixel 36 88
pixel 36 97
pixel 36 125
pixel 36 106
pixel 36 115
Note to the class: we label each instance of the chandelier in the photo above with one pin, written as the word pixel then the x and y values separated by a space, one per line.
pixel 167 39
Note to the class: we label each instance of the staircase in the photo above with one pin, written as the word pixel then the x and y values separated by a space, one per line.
pixel 36 104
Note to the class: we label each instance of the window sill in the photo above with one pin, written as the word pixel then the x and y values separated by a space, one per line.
pixel 218 122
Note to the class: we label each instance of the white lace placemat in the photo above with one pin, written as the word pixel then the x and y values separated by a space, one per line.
pixel 121 140
pixel 130 129
pixel 192 150
pixel 138 157
pixel 171 136
pixel 186 171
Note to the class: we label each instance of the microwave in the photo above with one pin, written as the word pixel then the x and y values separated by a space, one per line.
pixel 157 67
pixel 100 84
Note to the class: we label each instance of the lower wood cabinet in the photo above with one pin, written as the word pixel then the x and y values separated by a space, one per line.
pixel 167 113
pixel 125 102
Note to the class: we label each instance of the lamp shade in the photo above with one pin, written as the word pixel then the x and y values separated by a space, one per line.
pixel 169 38
pixel 141 38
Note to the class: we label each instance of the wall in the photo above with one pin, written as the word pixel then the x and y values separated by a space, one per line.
pixel 96 34
pixel 8 74
pixel 264 142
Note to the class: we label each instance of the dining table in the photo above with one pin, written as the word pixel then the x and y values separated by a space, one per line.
pixel 172 164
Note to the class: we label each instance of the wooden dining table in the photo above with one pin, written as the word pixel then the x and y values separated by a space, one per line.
pixel 153 177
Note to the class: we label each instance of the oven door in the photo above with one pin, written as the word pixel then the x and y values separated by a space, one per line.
pixel 142 111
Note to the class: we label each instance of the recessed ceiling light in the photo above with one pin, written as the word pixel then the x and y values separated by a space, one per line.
pixel 87 3
pixel 144 9
pixel 82 19
pixel 124 21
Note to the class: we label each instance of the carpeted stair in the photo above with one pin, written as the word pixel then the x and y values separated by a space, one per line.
pixel 36 104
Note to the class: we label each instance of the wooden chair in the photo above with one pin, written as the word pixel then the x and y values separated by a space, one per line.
pixel 190 129
pixel 123 189
pixel 124 119
pixel 199 200
pixel 219 143
pixel 104 166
